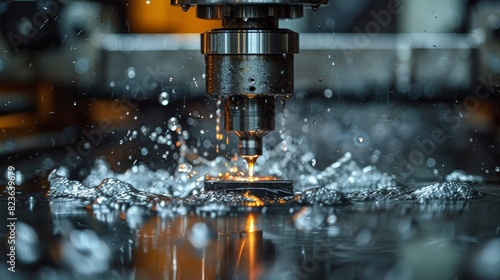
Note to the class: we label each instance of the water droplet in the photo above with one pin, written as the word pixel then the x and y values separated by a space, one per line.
pixel 328 93
pixel 363 237
pixel 186 7
pixel 27 243
pixel 85 246
pixel 200 235
pixel 487 260
pixel 131 72
pixel 173 124
pixel 164 98
pixel 308 219
pixel 331 219
pixel 360 139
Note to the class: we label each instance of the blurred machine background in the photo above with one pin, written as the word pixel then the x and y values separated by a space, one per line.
pixel 409 86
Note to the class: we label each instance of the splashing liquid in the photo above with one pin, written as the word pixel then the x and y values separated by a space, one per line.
pixel 218 116
pixel 219 136
pixel 282 131
pixel 343 181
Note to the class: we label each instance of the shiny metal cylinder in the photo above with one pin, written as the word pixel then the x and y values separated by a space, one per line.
pixel 229 75
pixel 249 41
pixel 250 145
pixel 242 61
pixel 252 114
pixel 250 118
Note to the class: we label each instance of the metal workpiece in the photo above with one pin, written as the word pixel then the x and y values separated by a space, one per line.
pixel 250 118
pixel 261 188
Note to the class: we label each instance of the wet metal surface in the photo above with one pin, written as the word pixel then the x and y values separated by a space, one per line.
pixel 273 188
pixel 391 239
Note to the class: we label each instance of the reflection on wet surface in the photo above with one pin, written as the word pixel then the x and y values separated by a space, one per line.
pixel 377 239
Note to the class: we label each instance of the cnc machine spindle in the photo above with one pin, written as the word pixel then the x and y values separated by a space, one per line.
pixel 249 62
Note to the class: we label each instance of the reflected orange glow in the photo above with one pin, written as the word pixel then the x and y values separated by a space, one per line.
pixel 16 120
pixel 250 223
pixel 158 16
pixel 255 200
pixel 251 242
pixel 100 109
pixel 251 252
pixel 43 116
pixel 164 250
